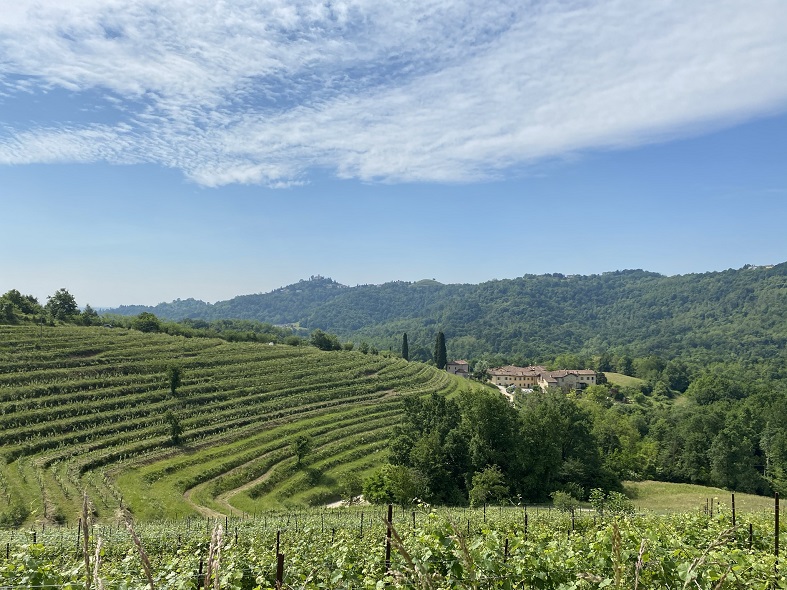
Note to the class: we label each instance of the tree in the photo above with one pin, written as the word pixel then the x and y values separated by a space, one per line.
pixel 174 377
pixel 405 348
pixel 394 484
pixel 488 484
pixel 89 316
pixel 146 322
pixel 62 305
pixel 175 429
pixel 301 447
pixel 325 341
pixel 440 357
pixel 481 371
pixel 351 487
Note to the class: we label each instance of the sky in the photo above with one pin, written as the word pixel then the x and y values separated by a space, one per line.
pixel 159 150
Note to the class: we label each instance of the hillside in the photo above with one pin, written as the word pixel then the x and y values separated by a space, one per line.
pixel 735 314
pixel 88 408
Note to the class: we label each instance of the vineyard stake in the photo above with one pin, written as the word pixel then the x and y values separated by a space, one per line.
pixel 362 525
pixel 733 510
pixel 278 537
pixel 776 527
pixel 751 535
pixel 279 571
pixel 505 552
pixel 388 539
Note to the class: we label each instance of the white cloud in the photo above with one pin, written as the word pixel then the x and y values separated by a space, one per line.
pixel 264 92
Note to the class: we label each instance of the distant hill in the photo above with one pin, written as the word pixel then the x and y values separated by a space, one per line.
pixel 739 314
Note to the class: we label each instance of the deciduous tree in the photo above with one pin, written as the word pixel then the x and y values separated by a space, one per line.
pixel 62 305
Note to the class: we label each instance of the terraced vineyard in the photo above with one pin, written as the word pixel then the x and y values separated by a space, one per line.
pixel 83 409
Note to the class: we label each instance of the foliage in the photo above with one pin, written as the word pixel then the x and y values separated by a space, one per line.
pixel 488 485
pixel 301 447
pixel 174 377
pixel 440 357
pixel 733 315
pixel 325 341
pixel 563 501
pixel 431 549
pixel 175 428
pixel 146 322
pixel 62 305
pixel 612 503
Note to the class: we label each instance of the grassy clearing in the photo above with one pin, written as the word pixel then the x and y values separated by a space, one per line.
pixel 623 380
pixel 662 497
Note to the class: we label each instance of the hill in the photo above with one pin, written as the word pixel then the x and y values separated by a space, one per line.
pixel 735 314
pixel 89 408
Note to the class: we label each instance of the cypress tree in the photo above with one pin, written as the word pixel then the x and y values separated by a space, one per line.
pixel 440 357
pixel 405 348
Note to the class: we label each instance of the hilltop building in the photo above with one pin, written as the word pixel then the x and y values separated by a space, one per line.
pixel 528 377
pixel 461 368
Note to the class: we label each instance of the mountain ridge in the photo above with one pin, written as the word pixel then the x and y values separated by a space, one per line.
pixel 716 315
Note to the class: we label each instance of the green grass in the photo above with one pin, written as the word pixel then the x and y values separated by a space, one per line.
pixel 623 380
pixel 659 496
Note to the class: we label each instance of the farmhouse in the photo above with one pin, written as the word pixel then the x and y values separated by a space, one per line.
pixel 528 377
pixel 461 368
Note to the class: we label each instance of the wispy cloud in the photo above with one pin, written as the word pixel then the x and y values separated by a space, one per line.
pixel 265 92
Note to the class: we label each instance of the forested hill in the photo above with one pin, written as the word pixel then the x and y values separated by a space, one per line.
pixel 738 314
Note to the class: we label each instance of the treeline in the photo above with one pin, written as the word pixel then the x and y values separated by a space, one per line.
pixel 480 448
pixel 734 314
pixel 62 307
pixel 727 431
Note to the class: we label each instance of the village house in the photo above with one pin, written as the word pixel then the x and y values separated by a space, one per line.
pixel 461 368
pixel 528 377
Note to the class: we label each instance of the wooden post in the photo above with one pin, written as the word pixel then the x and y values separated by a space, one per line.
pixel 388 539
pixel 505 552
pixel 278 538
pixel 733 510
pixel 751 535
pixel 361 525
pixel 776 527
pixel 279 571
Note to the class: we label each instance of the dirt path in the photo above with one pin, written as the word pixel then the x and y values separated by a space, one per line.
pixel 223 499
pixel 203 510
pixel 509 396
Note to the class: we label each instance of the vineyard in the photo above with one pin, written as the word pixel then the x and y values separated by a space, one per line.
pixel 507 548
pixel 90 409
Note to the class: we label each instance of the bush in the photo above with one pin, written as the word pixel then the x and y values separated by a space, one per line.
pixel 14 516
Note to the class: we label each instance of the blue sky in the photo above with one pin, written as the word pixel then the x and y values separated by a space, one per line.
pixel 155 151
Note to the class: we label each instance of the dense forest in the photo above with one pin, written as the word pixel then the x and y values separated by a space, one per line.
pixel 730 315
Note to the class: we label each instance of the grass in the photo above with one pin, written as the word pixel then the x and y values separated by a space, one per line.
pixel 662 497
pixel 623 380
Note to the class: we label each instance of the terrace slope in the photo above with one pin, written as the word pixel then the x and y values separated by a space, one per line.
pixel 83 409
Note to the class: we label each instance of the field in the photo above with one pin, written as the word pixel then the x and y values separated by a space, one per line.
pixel 662 497
pixel 91 409
pixel 623 380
